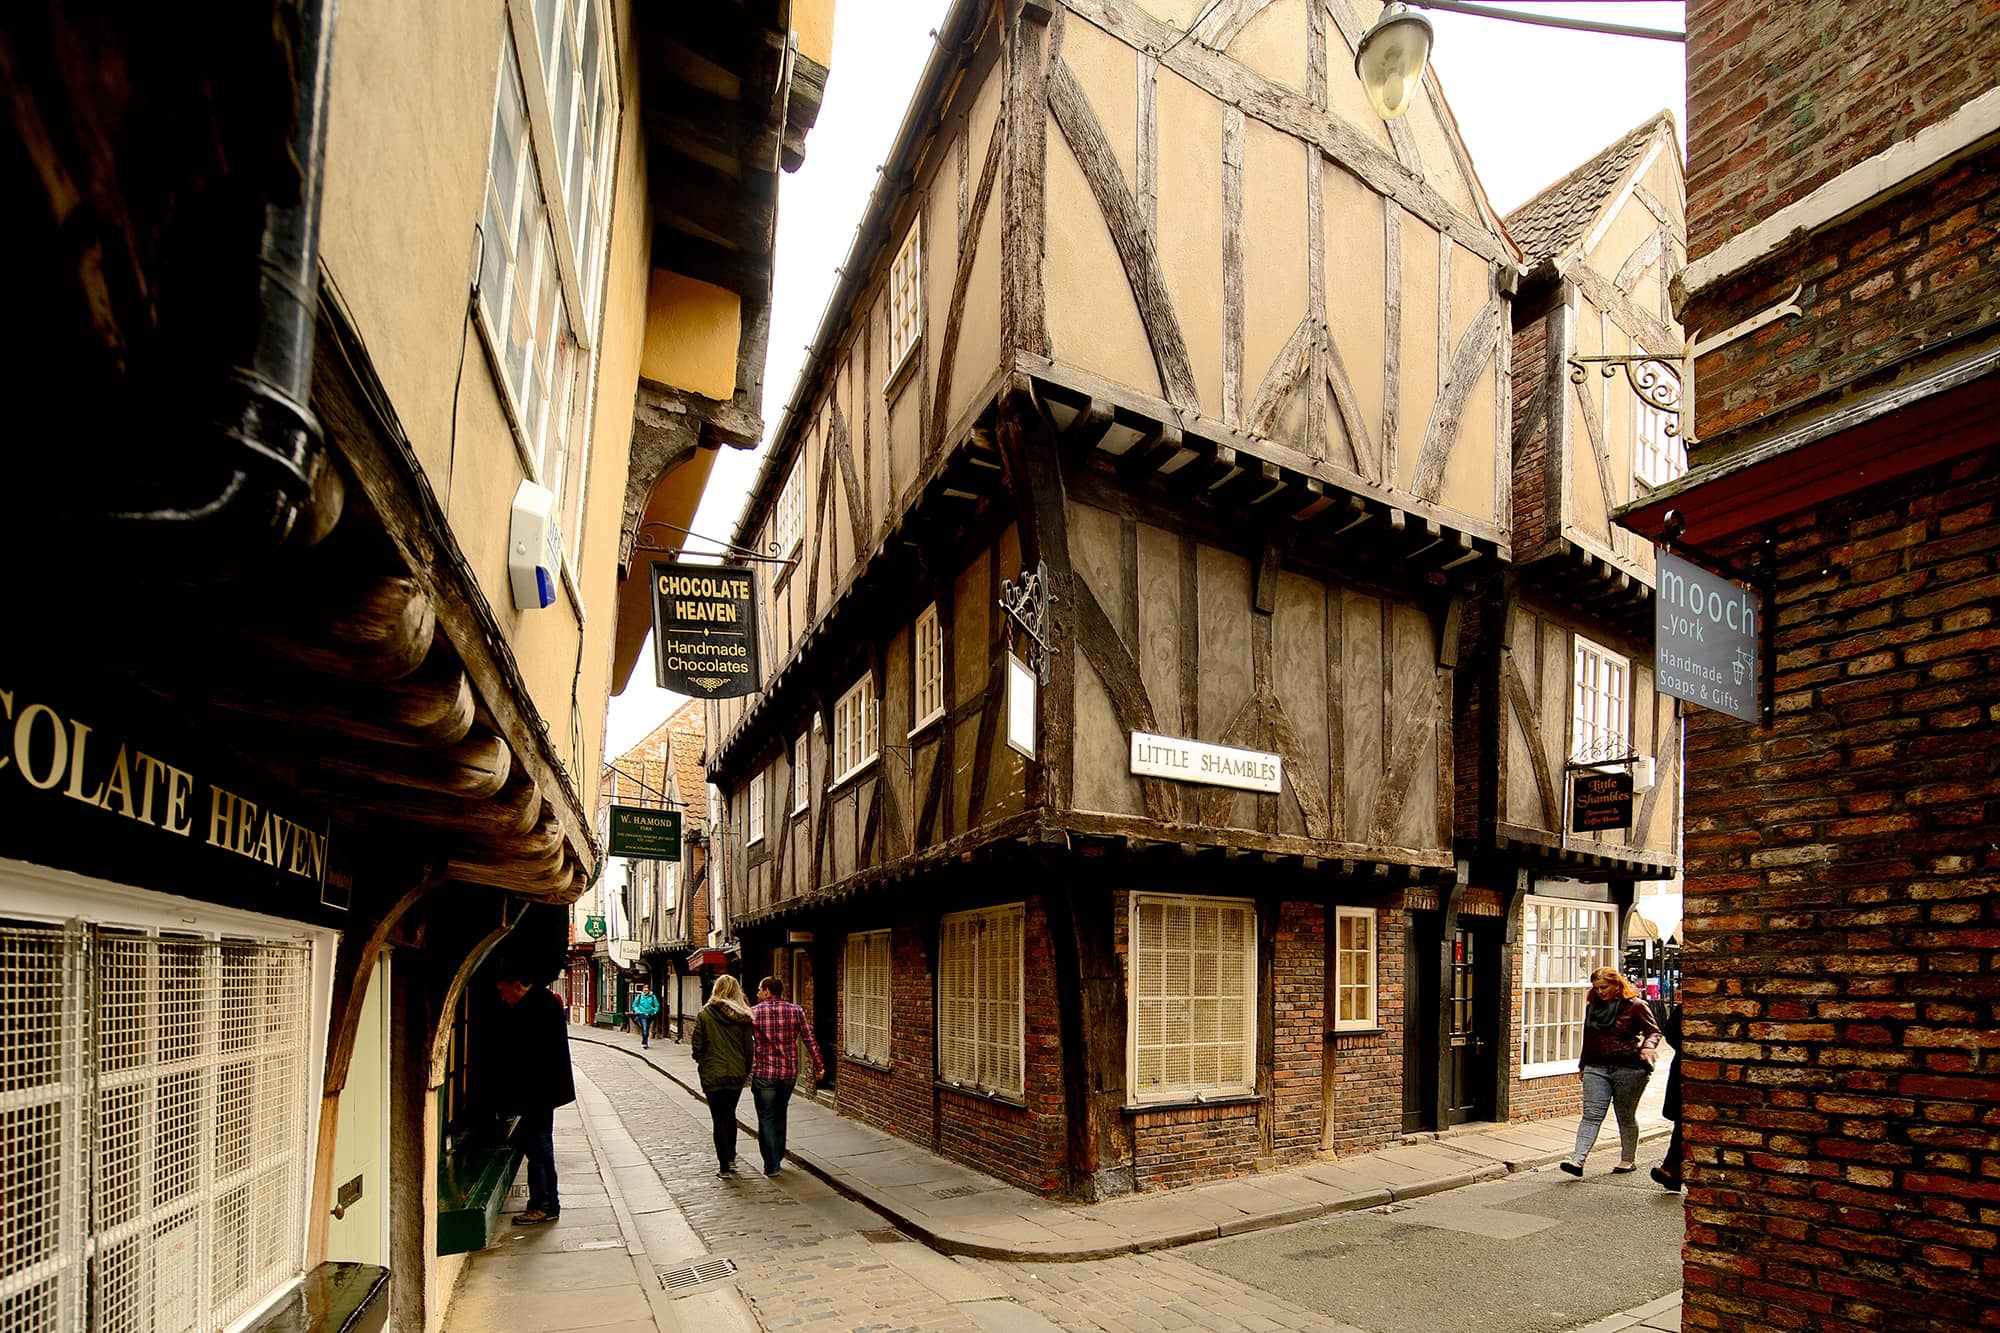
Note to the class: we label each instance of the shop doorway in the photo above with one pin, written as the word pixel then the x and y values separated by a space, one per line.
pixel 1451 1060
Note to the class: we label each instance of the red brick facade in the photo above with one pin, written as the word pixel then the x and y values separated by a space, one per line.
pixel 1298 983
pixel 1843 933
pixel 1366 1075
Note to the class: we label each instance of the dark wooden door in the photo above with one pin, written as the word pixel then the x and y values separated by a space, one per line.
pixel 1472 1020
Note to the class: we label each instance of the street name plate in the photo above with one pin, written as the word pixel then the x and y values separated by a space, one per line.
pixel 1197 761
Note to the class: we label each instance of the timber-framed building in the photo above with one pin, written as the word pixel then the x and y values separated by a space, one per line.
pixel 1169 315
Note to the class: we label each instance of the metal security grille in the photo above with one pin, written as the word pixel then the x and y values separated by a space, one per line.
pixel 694 1274
pixel 42 1080
pixel 168 1174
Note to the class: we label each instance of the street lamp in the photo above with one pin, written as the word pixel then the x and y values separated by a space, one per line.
pixel 1391 56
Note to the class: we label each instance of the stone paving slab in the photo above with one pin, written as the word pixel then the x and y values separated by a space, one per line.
pixel 901 1181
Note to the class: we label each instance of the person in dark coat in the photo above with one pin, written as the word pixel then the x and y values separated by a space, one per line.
pixel 540 1081
pixel 1620 1036
pixel 1667 1175
pixel 723 1047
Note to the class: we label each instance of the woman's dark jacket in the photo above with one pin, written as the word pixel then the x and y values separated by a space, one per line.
pixel 1670 1105
pixel 722 1045
pixel 1632 1031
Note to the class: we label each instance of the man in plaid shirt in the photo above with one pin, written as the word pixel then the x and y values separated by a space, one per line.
pixel 780 1026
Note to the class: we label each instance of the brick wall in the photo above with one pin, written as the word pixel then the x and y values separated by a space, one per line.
pixel 1842 1074
pixel 1299 1040
pixel 1783 96
pixel 1877 290
pixel 1367 1068
pixel 898 1099
pixel 1023 1145
pixel 1187 1145
pixel 1531 436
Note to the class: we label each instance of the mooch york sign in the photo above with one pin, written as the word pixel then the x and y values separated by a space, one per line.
pixel 704 630
pixel 1705 645
pixel 645 834
pixel 1197 761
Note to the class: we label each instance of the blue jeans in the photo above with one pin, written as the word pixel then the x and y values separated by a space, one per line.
pixel 537 1137
pixel 1604 1087
pixel 645 1029
pixel 773 1096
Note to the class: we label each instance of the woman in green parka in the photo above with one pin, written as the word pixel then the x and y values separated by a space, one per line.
pixel 722 1046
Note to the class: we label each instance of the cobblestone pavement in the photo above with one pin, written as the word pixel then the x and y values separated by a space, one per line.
pixel 807 1257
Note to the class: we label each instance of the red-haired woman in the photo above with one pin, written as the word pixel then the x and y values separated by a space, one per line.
pixel 1620 1038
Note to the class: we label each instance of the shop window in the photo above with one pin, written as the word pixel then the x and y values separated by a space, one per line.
pixel 979 1000
pixel 801 774
pixel 1193 993
pixel 754 820
pixel 1354 969
pixel 1562 943
pixel 189 1055
pixel 865 997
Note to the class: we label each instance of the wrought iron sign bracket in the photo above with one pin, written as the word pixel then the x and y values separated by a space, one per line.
pixel 1656 378
pixel 654 546
pixel 1027 606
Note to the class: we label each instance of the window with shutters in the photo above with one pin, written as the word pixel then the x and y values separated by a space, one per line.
pixel 753 819
pixel 906 312
pixel 1192 992
pixel 856 730
pixel 928 670
pixel 1354 969
pixel 979 1000
pixel 864 1000
pixel 801 774
pixel 1562 943
pixel 155 1123
pixel 1601 704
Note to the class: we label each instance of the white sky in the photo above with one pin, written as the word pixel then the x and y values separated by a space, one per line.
pixel 1532 103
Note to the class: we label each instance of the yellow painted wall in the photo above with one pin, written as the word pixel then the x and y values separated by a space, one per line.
pixel 812 20
pixel 1356 313
pixel 1274 43
pixel 399 240
pixel 979 323
pixel 1190 226
pixel 692 332
pixel 361 1136
pixel 1275 247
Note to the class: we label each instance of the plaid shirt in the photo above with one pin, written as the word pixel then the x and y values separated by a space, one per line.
pixel 781 1026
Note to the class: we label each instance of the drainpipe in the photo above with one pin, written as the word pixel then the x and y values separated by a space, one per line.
pixel 265 441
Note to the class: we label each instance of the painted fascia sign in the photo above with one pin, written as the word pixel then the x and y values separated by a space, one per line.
pixel 704 629
pixel 1705 640
pixel 1197 761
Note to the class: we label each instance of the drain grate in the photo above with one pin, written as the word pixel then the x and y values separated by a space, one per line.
pixel 955 1192
pixel 693 1275
pixel 882 1236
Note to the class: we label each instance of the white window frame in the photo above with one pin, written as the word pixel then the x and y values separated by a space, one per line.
pixel 788 521
pixel 801 773
pixel 1562 941
pixel 982 980
pixel 1150 1002
pixel 927 668
pixel 1345 968
pixel 43 897
pixel 864 997
pixel 857 731
pixel 1600 703
pixel 906 299
pixel 753 819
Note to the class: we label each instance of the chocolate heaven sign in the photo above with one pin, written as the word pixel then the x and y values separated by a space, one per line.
pixel 705 630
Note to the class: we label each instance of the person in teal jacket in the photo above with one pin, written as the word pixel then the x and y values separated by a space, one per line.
pixel 644 1005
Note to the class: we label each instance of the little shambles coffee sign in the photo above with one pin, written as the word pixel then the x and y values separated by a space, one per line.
pixel 704 630
pixel 1600 801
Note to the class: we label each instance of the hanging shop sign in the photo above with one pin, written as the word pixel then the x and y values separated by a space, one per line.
pixel 1600 801
pixel 644 834
pixel 1705 644
pixel 1197 761
pixel 704 630
pixel 593 926
pixel 98 781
